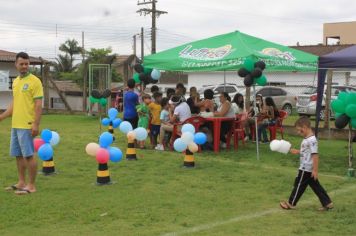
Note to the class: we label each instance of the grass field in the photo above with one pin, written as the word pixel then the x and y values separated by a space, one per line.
pixel 227 194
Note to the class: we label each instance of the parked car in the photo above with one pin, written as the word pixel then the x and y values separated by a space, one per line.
pixel 284 100
pixel 306 102
pixel 230 88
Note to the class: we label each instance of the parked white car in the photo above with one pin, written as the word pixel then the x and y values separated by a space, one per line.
pixel 306 102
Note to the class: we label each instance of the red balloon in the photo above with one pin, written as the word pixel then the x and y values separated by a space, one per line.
pixel 102 156
pixel 37 143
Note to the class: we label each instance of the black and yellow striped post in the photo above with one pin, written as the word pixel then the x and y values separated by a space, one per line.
pixel 48 167
pixel 131 151
pixel 189 161
pixel 103 174
pixel 111 130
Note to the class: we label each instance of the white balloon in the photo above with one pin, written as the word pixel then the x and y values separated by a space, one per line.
pixel 274 145
pixel 187 138
pixel 55 138
pixel 284 147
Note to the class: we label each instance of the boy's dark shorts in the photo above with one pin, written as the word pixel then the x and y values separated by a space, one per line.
pixel 155 129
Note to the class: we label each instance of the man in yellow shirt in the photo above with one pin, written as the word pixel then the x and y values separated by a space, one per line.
pixel 26 110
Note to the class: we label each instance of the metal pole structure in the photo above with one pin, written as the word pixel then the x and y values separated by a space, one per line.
pixel 256 135
pixel 351 171
pixel 134 45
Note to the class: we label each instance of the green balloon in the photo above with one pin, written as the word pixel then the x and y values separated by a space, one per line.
pixel 338 106
pixel 93 99
pixel 353 123
pixel 147 71
pixel 262 80
pixel 103 102
pixel 249 64
pixel 337 114
pixel 351 111
pixel 136 77
pixel 351 98
pixel 343 96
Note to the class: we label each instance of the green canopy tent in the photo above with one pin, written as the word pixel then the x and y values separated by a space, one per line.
pixel 227 52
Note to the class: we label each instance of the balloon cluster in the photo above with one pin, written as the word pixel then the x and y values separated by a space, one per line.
pixel 140 134
pixel 112 120
pixel 100 97
pixel 43 146
pixel 281 146
pixel 146 75
pixel 103 151
pixel 252 72
pixel 189 139
pixel 345 108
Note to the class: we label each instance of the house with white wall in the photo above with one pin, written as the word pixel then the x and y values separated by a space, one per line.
pixel 8 73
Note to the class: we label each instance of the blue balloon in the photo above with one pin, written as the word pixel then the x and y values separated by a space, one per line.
pixel 45 152
pixel 46 135
pixel 141 133
pixel 200 138
pixel 55 138
pixel 155 74
pixel 188 128
pixel 115 154
pixel 105 139
pixel 125 127
pixel 116 123
pixel 112 113
pixel 179 145
pixel 105 121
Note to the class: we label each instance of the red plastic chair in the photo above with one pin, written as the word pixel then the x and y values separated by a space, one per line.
pixel 239 129
pixel 196 121
pixel 278 126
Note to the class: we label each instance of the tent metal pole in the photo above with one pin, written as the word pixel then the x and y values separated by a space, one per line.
pixel 255 116
pixel 224 80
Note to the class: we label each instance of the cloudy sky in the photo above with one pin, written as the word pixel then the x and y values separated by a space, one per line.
pixel 39 26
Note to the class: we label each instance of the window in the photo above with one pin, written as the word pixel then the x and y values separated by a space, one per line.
pixel 57 103
pixel 278 92
pixel 265 92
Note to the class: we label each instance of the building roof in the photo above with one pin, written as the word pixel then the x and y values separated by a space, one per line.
pixel 66 86
pixel 6 56
pixel 320 50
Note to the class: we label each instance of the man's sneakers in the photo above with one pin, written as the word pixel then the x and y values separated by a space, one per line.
pixel 159 147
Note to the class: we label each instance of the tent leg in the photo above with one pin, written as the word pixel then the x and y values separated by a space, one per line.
pixel 256 126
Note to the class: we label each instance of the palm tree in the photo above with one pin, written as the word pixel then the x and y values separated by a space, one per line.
pixel 71 47
pixel 63 64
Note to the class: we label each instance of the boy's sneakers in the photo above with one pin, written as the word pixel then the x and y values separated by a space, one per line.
pixel 159 147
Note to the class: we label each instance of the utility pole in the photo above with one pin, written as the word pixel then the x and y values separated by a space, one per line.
pixel 83 50
pixel 142 45
pixel 134 45
pixel 85 94
pixel 155 14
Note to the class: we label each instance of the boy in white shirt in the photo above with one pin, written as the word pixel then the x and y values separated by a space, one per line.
pixel 308 169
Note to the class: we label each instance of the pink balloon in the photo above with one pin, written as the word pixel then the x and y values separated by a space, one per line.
pixel 38 142
pixel 102 156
